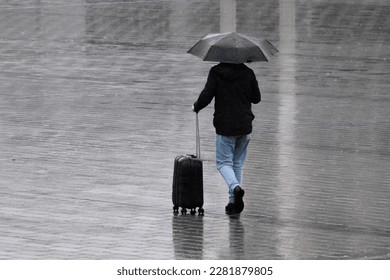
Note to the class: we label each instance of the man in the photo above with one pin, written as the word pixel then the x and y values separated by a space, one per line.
pixel 235 88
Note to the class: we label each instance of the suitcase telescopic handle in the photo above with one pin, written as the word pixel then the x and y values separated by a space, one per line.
pixel 197 137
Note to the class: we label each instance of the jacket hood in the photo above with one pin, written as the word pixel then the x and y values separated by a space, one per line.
pixel 230 71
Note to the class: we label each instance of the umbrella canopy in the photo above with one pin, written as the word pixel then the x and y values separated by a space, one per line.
pixel 232 47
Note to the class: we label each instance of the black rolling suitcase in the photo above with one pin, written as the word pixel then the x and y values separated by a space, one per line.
pixel 187 187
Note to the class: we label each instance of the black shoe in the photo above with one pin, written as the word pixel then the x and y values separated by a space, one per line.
pixel 229 209
pixel 238 202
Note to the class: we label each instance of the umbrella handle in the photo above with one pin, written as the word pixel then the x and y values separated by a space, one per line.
pixel 197 137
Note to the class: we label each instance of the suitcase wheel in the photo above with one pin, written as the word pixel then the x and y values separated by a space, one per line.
pixel 184 211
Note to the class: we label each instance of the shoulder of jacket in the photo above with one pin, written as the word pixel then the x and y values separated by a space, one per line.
pixel 247 67
pixel 250 70
pixel 216 67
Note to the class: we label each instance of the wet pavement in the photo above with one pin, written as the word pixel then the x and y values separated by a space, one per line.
pixel 95 103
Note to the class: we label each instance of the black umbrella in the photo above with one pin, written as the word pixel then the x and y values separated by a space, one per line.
pixel 232 47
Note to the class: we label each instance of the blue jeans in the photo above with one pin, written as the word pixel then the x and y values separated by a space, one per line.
pixel 230 157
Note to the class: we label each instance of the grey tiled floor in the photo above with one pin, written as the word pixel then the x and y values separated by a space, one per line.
pixel 95 103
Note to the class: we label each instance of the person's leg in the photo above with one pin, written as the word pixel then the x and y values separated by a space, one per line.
pixel 225 146
pixel 239 156
pixel 238 164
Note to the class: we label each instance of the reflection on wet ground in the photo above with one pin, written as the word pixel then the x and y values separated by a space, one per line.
pixel 95 103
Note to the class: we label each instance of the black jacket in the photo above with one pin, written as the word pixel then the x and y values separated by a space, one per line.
pixel 235 88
